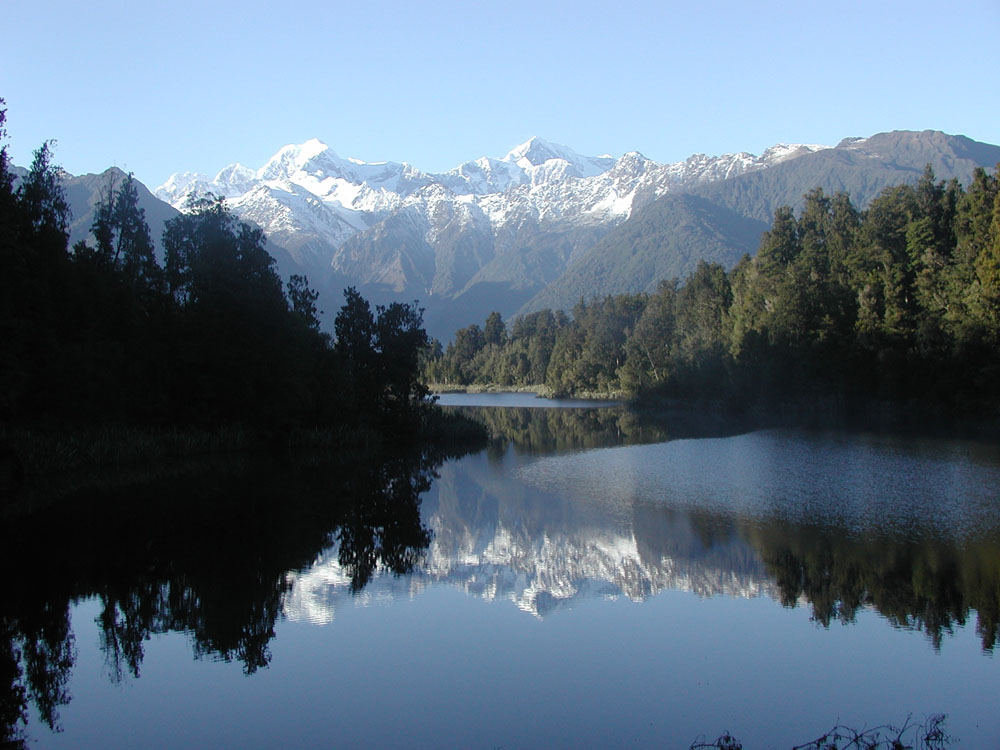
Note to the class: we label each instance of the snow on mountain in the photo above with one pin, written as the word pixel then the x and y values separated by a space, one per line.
pixel 313 166
pixel 442 229
pixel 537 171
pixel 785 151
pixel 536 152
pixel 297 220
pixel 482 176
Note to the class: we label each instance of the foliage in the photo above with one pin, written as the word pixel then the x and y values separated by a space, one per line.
pixel 899 302
pixel 102 334
pixel 663 239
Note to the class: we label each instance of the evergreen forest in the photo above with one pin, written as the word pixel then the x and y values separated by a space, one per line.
pixel 840 308
pixel 103 333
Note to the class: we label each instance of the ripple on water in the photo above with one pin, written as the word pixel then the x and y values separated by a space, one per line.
pixel 908 487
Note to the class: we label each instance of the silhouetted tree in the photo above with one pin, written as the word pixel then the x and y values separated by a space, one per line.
pixel 303 300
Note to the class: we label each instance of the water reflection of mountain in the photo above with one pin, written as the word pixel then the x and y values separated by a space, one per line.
pixel 501 539
pixel 223 558
pixel 541 550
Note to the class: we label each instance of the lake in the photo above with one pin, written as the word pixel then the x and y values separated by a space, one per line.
pixel 589 580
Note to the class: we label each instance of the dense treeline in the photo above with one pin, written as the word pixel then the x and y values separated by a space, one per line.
pixel 102 333
pixel 898 302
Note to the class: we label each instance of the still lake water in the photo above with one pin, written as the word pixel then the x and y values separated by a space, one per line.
pixel 589 581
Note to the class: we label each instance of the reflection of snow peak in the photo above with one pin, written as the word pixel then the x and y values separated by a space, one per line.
pixel 317 593
pixel 544 531
pixel 537 551
pixel 538 577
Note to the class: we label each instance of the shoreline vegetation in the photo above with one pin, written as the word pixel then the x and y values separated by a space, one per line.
pixel 890 314
pixel 539 390
pixel 113 357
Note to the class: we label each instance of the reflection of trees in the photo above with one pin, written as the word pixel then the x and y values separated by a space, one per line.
pixel 382 526
pixel 126 621
pixel 929 585
pixel 702 538
pixel 209 559
pixel 37 655
pixel 557 430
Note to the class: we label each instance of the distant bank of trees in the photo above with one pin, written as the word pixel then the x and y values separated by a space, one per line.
pixel 103 333
pixel 900 301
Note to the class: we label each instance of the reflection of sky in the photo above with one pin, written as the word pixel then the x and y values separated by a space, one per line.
pixel 498 538
pixel 895 485
pixel 448 670
pixel 413 663
pixel 546 532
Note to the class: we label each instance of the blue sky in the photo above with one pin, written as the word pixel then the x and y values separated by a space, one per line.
pixel 169 86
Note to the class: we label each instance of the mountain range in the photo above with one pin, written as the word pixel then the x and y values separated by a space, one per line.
pixel 542 226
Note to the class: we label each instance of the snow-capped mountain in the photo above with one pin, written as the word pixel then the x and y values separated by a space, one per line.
pixel 412 230
pixel 543 226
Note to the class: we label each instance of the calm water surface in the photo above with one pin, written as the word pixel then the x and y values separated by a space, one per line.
pixel 587 581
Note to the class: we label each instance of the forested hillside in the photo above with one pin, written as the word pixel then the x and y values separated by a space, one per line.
pixel 104 334
pixel 900 301
pixel 719 221
pixel 663 240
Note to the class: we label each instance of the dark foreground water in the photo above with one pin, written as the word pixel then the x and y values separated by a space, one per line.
pixel 588 581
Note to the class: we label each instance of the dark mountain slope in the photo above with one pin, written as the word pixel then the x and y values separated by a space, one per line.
pixel 84 193
pixel 665 239
pixel 860 167
pixel 720 221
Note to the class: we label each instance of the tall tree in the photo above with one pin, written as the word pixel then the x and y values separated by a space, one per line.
pixel 43 208
pixel 400 339
pixel 303 301
pixel 495 332
pixel 6 177
pixel 122 236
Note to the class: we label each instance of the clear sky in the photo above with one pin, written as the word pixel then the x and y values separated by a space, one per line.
pixel 159 87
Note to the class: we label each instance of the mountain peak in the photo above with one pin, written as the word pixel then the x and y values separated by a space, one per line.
pixel 783 151
pixel 311 148
pixel 536 151
pixel 292 158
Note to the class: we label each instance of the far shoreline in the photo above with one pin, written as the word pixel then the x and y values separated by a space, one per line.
pixel 540 391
